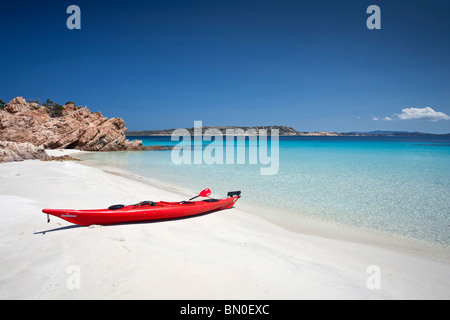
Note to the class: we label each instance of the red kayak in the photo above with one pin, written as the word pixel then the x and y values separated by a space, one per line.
pixel 144 211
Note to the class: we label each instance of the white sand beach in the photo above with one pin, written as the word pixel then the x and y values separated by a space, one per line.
pixel 230 254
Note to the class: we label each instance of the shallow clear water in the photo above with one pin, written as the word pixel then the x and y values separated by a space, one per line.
pixel 399 185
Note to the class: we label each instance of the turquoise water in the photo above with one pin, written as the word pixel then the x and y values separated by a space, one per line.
pixel 399 185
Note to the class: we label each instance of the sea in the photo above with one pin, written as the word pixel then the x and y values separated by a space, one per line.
pixel 395 185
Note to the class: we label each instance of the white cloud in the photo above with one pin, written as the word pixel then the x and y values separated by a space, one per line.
pixel 422 114
pixel 426 113
pixel 382 118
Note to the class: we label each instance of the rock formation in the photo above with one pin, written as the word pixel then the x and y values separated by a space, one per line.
pixel 13 151
pixel 71 127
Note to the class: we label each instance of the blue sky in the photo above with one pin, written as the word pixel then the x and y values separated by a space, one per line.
pixel 312 65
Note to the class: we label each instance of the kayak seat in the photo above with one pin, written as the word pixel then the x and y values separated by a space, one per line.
pixel 211 200
pixel 147 203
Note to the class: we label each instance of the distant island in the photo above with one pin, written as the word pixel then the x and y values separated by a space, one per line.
pixel 283 131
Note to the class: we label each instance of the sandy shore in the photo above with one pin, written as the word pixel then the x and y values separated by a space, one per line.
pixel 230 254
